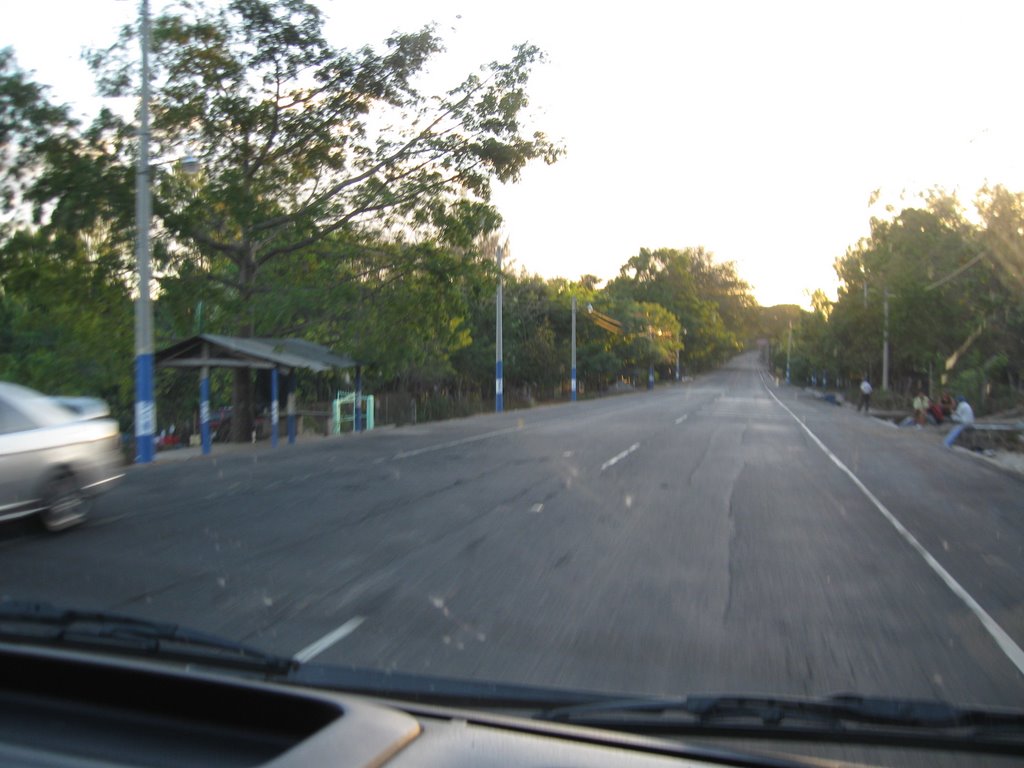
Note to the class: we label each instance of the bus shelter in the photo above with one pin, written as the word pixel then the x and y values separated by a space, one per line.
pixel 281 357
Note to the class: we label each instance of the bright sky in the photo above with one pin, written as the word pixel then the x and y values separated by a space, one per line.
pixel 757 129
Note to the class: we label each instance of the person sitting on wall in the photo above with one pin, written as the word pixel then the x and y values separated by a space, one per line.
pixel 963 414
pixel 947 404
pixel 921 405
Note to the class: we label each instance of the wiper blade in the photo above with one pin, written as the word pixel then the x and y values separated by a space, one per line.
pixel 841 718
pixel 43 623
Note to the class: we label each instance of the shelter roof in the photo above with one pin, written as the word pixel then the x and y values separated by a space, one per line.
pixel 215 350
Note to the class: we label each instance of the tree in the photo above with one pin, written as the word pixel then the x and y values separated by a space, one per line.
pixel 902 265
pixel 708 299
pixel 30 126
pixel 300 140
pixel 65 318
pixel 953 289
pixel 65 267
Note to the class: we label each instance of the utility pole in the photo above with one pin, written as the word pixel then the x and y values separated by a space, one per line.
pixel 145 408
pixel 789 349
pixel 499 378
pixel 572 385
pixel 885 341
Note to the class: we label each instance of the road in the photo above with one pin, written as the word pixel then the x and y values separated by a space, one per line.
pixel 723 535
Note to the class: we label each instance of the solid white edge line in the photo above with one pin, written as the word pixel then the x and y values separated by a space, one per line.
pixel 1003 640
pixel 616 459
pixel 329 639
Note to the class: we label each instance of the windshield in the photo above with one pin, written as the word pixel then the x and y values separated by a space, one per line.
pixel 667 349
pixel 33 408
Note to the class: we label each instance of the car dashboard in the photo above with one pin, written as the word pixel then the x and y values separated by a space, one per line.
pixel 63 708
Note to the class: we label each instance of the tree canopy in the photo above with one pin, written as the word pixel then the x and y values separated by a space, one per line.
pixel 944 286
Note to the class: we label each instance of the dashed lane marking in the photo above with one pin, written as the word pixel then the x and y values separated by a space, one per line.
pixel 616 459
pixel 329 639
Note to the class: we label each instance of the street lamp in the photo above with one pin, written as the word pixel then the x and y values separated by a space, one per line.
pixel 650 360
pixel 789 350
pixel 651 333
pixel 499 374
pixel 682 332
pixel 572 391
pixel 145 406
pixel 189 164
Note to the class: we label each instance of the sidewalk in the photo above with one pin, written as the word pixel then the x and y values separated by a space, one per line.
pixel 233 449
pixel 1008 460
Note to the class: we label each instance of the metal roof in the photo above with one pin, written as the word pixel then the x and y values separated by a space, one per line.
pixel 215 350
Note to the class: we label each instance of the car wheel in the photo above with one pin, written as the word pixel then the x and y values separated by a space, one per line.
pixel 65 504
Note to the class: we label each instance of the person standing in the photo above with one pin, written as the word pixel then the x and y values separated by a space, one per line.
pixel 865 395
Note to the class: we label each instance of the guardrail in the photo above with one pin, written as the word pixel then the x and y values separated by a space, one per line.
pixel 988 433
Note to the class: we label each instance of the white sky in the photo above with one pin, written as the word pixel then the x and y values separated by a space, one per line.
pixel 755 129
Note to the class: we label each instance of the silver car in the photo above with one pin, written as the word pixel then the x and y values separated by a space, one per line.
pixel 53 459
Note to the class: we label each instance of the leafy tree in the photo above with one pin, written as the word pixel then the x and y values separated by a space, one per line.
pixel 901 265
pixel 300 140
pixel 65 265
pixel 953 290
pixel 30 126
pixel 708 299
pixel 65 318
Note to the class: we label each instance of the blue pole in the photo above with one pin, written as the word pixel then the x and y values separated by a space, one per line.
pixel 572 384
pixel 291 408
pixel 145 410
pixel 204 408
pixel 499 385
pixel 274 408
pixel 499 375
pixel 357 416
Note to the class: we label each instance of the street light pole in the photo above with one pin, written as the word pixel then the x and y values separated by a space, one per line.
pixel 499 377
pixel 145 408
pixel 572 390
pixel 789 349
pixel 650 361
pixel 885 341
pixel 679 374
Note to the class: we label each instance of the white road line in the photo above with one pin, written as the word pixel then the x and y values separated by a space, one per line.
pixel 462 441
pixel 1003 640
pixel 682 418
pixel 537 508
pixel 329 639
pixel 616 459
pixel 576 419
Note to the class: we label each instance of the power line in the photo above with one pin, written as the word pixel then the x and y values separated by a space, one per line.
pixel 957 271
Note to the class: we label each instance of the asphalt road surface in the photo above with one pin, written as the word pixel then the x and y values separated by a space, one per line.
pixel 726 535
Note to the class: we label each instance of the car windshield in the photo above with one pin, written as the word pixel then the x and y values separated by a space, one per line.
pixel 36 407
pixel 662 349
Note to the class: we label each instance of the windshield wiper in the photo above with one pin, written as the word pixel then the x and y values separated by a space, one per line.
pixel 43 623
pixel 841 718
